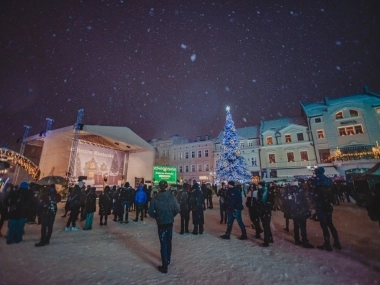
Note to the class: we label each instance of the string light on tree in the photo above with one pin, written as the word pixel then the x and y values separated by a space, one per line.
pixel 231 166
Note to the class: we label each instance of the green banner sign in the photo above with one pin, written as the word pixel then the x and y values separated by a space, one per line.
pixel 167 173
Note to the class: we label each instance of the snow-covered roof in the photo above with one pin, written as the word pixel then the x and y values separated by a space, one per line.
pixel 281 123
pixel 242 133
pixel 316 108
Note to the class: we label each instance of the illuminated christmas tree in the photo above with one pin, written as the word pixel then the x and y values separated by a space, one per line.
pixel 231 165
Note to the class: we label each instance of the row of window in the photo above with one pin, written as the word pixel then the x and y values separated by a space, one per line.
pixel 288 138
pixel 290 156
pixel 185 155
pixel 200 167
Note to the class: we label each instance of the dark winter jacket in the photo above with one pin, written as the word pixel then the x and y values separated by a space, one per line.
pixel 265 200
pixel 321 191
pixel 164 207
pixel 140 196
pixel 105 203
pixel 183 200
pixel 74 199
pixel 47 205
pixel 299 205
pixel 18 203
pixel 126 194
pixel 222 195
pixel 234 200
pixel 90 202
pixel 196 205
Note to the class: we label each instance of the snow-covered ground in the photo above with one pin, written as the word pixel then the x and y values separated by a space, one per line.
pixel 129 254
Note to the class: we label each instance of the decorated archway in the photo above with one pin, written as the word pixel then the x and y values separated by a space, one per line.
pixel 22 161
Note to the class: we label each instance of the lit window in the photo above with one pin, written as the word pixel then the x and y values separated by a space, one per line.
pixel 199 153
pixel 180 155
pixel 288 138
pixel 358 129
pixel 304 156
pixel 300 136
pixel 339 115
pixel 378 110
pixel 290 156
pixel 206 152
pixel 350 130
pixel 320 134
pixel 342 131
pixel 269 140
pixel 272 158
pixel 354 113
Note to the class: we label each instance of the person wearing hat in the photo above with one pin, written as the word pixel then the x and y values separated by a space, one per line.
pixel 323 201
pixel 265 205
pixel 164 207
pixel 196 206
pixel 234 205
pixel 17 201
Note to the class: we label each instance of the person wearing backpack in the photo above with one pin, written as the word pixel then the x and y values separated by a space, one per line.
pixel 299 212
pixel 183 200
pixel 323 201
pixel 74 206
pixel 47 208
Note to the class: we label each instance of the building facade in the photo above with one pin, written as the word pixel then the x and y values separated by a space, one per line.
pixel 345 131
pixel 286 148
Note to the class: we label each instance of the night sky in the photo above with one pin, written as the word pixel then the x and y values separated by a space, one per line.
pixel 171 67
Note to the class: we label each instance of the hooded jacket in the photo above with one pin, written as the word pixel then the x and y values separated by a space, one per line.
pixel 164 207
pixel 140 197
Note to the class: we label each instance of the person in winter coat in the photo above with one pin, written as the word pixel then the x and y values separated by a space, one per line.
pixel 126 197
pixel 90 208
pixel 105 205
pixel 47 209
pixel 183 200
pixel 4 194
pixel 17 201
pixel 323 202
pixel 116 205
pixel 164 207
pixel 147 192
pixel 209 197
pixel 205 194
pixel 252 208
pixel 74 200
pixel 285 195
pixel 234 203
pixel 222 203
pixel 300 212
pixel 265 205
pixel 196 206
pixel 140 200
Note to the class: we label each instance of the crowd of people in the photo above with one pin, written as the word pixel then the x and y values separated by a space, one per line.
pixel 298 201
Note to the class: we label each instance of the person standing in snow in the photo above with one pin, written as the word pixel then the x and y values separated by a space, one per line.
pixel 164 207
pixel 183 200
pixel 222 203
pixel 105 205
pixel 265 205
pixel 90 208
pixel 234 204
pixel 196 206
pixel 323 201
pixel 140 200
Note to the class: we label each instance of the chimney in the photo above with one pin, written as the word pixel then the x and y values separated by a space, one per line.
pixel 326 100
pixel 207 137
pixel 199 138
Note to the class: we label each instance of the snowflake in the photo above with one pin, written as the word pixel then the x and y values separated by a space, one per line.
pixel 193 57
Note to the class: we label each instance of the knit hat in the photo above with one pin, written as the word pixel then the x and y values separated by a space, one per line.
pixel 24 185
pixel 232 183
